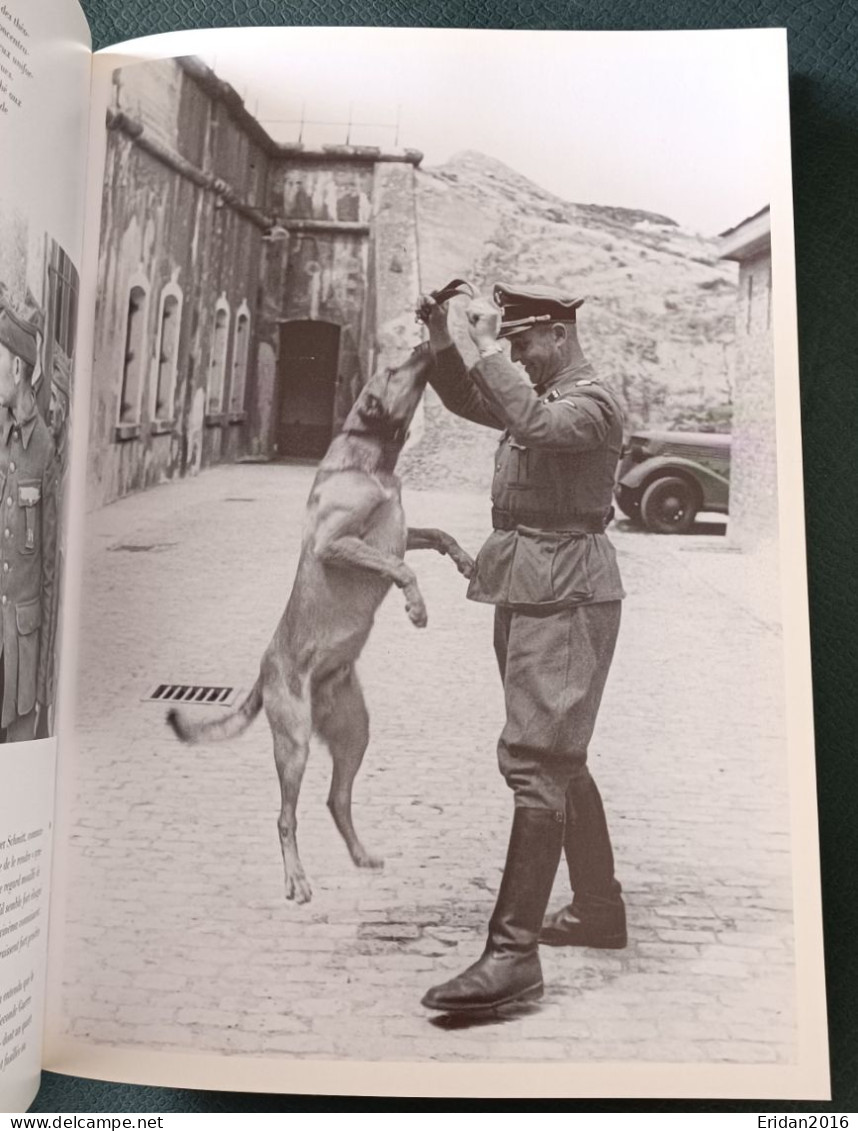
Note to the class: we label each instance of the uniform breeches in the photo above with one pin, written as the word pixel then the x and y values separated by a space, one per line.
pixel 554 667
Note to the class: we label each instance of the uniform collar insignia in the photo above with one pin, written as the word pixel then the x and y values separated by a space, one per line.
pixel 564 378
pixel 26 424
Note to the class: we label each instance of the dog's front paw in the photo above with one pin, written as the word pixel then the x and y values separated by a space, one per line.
pixel 417 613
pixel 464 563
pixel 415 606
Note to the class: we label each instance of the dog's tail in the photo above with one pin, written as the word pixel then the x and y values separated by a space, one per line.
pixel 227 726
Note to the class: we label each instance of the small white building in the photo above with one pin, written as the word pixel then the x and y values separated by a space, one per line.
pixel 753 475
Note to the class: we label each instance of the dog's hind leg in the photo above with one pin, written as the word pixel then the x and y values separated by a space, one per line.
pixel 340 719
pixel 287 705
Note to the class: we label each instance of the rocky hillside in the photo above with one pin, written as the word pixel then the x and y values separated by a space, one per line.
pixel 658 318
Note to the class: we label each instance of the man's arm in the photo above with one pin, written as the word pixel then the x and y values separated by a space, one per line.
pixel 450 377
pixel 577 422
pixel 455 385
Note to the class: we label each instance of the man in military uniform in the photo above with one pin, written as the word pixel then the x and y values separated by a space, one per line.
pixel 59 423
pixel 551 573
pixel 27 533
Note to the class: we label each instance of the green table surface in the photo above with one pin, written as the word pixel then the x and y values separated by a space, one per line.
pixel 823 39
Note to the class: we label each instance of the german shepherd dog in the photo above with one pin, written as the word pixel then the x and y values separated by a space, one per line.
pixel 354 542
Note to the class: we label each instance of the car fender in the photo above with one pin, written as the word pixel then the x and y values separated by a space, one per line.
pixel 715 488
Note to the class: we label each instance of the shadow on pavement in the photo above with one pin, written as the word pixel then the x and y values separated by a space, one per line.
pixel 710 527
pixel 500 1015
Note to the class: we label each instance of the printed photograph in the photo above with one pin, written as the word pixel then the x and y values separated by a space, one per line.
pixel 432 700
pixel 38 315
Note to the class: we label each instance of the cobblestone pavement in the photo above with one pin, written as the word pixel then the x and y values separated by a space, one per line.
pixel 181 937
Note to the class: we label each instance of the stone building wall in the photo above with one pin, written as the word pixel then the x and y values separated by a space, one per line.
pixel 325 205
pixel 178 284
pixel 277 271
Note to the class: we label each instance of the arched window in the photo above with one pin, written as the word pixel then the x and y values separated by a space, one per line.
pixel 217 359
pixel 134 357
pixel 167 353
pixel 240 355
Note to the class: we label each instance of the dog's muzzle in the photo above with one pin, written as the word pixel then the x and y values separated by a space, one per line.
pixel 387 430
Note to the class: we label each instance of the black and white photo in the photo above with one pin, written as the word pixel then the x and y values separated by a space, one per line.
pixel 38 315
pixel 527 801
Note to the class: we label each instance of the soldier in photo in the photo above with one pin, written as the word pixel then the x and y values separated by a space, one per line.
pixel 59 423
pixel 551 572
pixel 27 533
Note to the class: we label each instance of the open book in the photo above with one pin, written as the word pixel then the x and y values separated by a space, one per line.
pixel 211 245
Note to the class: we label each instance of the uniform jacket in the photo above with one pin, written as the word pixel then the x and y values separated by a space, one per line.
pixel 552 486
pixel 28 530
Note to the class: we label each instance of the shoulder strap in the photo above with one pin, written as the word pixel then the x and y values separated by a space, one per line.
pixel 593 388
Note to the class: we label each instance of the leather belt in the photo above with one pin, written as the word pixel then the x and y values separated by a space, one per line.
pixel 568 524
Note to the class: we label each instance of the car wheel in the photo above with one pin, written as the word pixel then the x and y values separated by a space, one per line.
pixel 629 502
pixel 669 506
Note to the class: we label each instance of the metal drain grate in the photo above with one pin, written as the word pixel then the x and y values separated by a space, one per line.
pixel 204 695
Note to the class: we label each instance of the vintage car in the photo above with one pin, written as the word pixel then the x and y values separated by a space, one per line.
pixel 665 478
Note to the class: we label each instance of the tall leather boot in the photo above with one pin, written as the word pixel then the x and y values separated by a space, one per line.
pixel 597 915
pixel 509 969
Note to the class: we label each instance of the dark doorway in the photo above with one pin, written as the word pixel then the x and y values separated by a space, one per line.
pixel 309 355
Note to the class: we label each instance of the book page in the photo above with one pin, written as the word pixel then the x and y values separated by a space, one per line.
pixel 617 207
pixel 44 99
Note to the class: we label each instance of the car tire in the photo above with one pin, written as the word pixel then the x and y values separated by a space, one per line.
pixel 629 502
pixel 669 505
